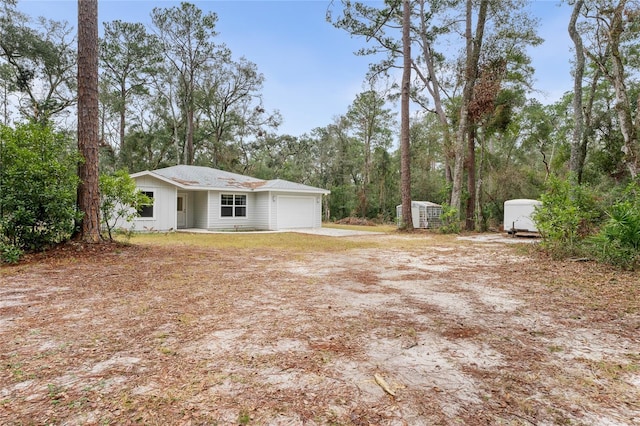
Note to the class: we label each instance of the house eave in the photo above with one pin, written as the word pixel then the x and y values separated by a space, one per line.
pixel 262 187
pixel 295 191
pixel 186 186
pixel 159 177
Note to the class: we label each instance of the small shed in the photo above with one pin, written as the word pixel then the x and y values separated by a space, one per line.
pixel 425 214
pixel 518 215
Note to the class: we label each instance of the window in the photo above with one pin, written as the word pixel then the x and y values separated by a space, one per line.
pixel 146 210
pixel 240 206
pixel 233 205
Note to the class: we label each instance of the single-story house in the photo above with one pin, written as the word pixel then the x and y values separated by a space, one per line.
pixel 206 198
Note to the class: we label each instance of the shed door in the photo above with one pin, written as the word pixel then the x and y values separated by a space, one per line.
pixel 295 212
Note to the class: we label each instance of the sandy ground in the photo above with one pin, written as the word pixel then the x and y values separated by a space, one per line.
pixel 448 332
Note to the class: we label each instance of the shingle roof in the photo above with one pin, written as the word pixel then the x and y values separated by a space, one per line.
pixel 198 177
pixel 285 185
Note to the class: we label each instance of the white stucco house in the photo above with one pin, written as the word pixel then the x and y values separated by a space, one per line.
pixel 205 198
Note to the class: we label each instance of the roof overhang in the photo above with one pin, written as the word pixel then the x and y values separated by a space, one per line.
pixel 185 185
pixel 295 191
pixel 253 187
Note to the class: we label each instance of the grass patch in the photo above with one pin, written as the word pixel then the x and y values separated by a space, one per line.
pixel 377 228
pixel 300 242
pixel 611 370
pixel 278 241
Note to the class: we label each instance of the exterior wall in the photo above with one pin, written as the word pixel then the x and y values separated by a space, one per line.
pixel 415 216
pixel 273 211
pixel 164 206
pixel 200 209
pixel 317 217
pixel 317 213
pixel 219 223
pixel 190 208
pixel 261 211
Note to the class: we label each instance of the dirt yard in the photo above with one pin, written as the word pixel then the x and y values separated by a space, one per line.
pixel 311 330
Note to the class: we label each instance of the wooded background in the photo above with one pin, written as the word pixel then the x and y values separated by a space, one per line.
pixel 173 93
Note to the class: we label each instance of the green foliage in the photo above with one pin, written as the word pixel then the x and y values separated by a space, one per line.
pixel 244 418
pixel 450 220
pixel 572 222
pixel 618 242
pixel 10 253
pixel 41 58
pixel 342 201
pixel 569 214
pixel 38 185
pixel 120 200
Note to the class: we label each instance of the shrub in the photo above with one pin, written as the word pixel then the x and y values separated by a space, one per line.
pixel 120 200
pixel 38 184
pixel 10 253
pixel 568 215
pixel 450 222
pixel 618 242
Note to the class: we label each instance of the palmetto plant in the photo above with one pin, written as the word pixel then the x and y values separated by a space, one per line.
pixel 618 241
pixel 569 214
pixel 624 224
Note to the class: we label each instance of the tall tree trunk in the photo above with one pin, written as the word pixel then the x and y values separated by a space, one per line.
pixel 623 103
pixel 432 84
pixel 190 150
pixel 473 47
pixel 576 160
pixel 364 196
pixel 480 222
pixel 88 121
pixel 470 222
pixel 405 154
pixel 5 103
pixel 588 119
pixel 123 96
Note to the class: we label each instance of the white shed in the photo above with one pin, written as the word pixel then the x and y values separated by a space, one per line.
pixel 518 215
pixel 425 214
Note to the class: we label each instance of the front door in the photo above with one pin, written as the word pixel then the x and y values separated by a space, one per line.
pixel 181 210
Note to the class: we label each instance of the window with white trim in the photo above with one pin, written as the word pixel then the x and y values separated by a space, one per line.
pixel 146 210
pixel 233 205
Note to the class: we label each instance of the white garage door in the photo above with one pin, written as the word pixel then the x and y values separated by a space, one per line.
pixel 295 212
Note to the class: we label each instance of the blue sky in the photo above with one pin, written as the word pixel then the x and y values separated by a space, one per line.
pixel 311 73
